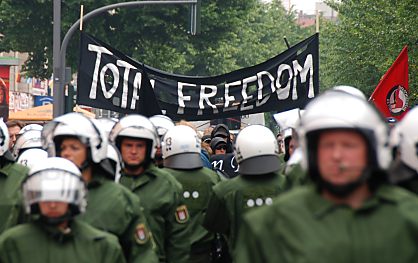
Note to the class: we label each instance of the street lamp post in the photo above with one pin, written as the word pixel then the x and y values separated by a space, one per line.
pixel 56 35
pixel 59 72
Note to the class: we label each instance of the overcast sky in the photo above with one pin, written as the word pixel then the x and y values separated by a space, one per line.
pixel 307 6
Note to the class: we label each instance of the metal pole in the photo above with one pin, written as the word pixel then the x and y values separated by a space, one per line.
pixel 58 93
pixel 287 43
pixel 317 21
pixel 87 17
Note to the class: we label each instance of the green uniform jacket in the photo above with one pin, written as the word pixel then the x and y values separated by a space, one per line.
pixel 197 189
pixel 161 197
pixel 234 197
pixel 11 209
pixel 296 176
pixel 301 226
pixel 403 176
pixel 33 243
pixel 111 207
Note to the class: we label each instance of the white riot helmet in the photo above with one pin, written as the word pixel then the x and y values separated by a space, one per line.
pixel 54 179
pixel 338 110
pixel 75 125
pixel 4 138
pixel 162 123
pixel 351 90
pixel 116 161
pixel 257 151
pixel 31 157
pixel 27 140
pixel 181 148
pixel 407 138
pixel 105 124
pixel 137 127
pixel 31 127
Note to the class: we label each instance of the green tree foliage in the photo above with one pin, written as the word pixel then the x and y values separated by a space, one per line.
pixel 156 35
pixel 234 33
pixel 362 45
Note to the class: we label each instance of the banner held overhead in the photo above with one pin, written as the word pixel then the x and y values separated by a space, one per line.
pixel 108 79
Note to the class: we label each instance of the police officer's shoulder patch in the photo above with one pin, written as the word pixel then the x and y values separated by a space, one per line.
pixel 141 234
pixel 182 215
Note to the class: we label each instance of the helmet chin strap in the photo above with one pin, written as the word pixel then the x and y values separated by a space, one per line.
pixel 135 167
pixel 84 165
pixel 55 221
pixel 345 189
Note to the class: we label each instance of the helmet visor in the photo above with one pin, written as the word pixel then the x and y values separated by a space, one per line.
pixel 54 185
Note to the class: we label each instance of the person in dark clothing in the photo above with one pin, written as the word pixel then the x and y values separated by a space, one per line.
pixel 222 131
pixel 221 160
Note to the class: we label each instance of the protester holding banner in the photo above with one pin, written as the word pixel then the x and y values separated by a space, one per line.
pixel 111 207
pixel 182 159
pixel 349 214
pixel 161 194
pixel 258 183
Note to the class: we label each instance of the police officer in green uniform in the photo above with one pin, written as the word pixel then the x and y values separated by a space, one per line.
pixel 259 181
pixel 404 169
pixel 11 177
pixel 162 123
pixel 54 193
pixel 161 194
pixel 349 213
pixel 292 169
pixel 112 207
pixel 181 153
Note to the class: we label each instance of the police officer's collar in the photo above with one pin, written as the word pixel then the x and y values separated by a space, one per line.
pixel 56 233
pixel 96 181
pixel 137 180
pixel 151 170
pixel 399 172
pixel 7 167
pixel 321 207
pixel 6 159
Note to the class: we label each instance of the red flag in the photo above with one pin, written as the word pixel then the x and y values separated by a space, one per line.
pixel 391 94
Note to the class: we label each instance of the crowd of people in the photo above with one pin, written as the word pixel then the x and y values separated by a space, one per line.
pixel 337 185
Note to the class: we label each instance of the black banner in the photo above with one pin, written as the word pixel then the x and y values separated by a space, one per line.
pixel 226 163
pixel 108 79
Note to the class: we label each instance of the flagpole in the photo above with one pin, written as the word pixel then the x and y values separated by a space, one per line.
pixel 317 21
pixel 81 17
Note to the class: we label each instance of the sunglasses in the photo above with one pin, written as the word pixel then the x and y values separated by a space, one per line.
pixel 207 140
pixel 221 147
